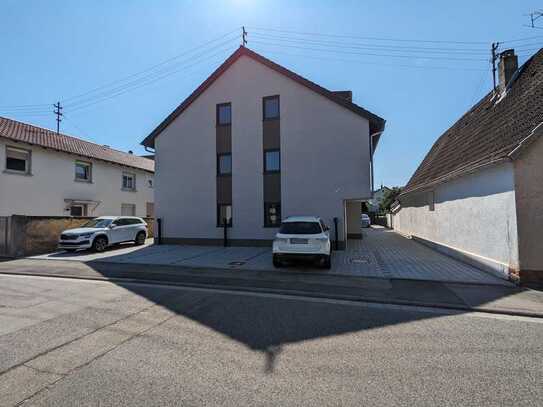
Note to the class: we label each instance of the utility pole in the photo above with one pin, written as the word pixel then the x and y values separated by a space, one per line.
pixel 243 36
pixel 494 58
pixel 58 112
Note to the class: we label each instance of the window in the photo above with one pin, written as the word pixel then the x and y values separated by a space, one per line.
pixel 224 212
pixel 150 183
pixel 150 209
pixel 83 171
pixel 300 228
pixel 17 160
pixel 78 210
pixel 272 214
pixel 272 161
pixel 129 181
pixel 224 164
pixel 128 210
pixel 271 107
pixel 224 114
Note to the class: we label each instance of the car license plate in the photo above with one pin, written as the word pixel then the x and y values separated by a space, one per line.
pixel 298 241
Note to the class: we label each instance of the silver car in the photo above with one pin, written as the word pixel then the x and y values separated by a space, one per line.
pixel 105 231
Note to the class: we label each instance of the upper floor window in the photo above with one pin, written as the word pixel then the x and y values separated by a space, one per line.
pixel 272 161
pixel 129 181
pixel 150 182
pixel 224 164
pixel 18 160
pixel 224 114
pixel 271 107
pixel 83 171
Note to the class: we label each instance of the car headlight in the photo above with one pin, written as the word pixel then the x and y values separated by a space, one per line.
pixel 85 235
pixel 280 240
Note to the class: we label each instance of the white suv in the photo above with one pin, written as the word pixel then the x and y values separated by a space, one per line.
pixel 302 237
pixel 99 233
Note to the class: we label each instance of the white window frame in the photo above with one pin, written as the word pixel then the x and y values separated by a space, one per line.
pixel 28 160
pixel 132 206
pixel 128 175
pixel 83 164
pixel 84 208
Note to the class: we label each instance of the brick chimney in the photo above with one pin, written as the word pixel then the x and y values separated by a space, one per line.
pixel 507 67
pixel 345 94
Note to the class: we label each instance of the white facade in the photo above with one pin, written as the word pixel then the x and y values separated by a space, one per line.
pixel 51 189
pixel 473 215
pixel 325 157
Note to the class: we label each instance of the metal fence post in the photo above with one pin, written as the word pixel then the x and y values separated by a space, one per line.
pixel 159 227
pixel 225 237
pixel 336 243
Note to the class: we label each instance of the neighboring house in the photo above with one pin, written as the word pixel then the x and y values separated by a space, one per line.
pixel 255 143
pixel 374 204
pixel 478 194
pixel 48 174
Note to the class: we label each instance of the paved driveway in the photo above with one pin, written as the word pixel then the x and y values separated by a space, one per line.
pixel 381 254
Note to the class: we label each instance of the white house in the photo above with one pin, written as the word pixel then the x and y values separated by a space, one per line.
pixel 478 193
pixel 255 143
pixel 48 174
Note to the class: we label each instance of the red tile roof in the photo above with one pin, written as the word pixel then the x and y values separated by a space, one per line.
pixel 489 131
pixel 27 133
pixel 376 123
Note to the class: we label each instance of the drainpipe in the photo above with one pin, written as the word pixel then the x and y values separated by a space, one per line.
pixel 377 133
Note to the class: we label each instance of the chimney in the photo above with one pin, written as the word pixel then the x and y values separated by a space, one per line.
pixel 507 67
pixel 345 94
pixel 130 152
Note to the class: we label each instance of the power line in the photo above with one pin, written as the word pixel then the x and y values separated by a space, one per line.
pixel 366 62
pixel 374 46
pixel 367 38
pixel 335 50
pixel 153 67
pixel 121 92
pixel 150 78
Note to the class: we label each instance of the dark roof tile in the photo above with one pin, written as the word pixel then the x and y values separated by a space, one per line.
pixel 489 131
pixel 27 133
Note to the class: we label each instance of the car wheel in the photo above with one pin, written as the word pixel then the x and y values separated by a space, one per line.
pixel 327 262
pixel 99 244
pixel 140 239
pixel 276 262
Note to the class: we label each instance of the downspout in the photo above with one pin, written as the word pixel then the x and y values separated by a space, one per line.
pixel 377 133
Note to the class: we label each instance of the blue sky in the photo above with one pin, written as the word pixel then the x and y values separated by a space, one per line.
pixel 59 50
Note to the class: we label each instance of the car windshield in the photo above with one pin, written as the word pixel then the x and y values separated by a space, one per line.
pixel 300 228
pixel 97 223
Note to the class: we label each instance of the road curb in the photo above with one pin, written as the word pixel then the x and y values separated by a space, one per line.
pixel 299 293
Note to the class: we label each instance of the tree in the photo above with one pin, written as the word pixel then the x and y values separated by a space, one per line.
pixel 389 197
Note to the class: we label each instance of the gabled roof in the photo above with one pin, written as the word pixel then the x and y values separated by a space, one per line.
pixel 376 122
pixel 489 131
pixel 27 133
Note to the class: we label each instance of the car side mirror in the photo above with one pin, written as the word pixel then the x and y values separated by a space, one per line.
pixel 112 226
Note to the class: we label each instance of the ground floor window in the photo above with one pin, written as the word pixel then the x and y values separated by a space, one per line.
pixel 224 214
pixel 150 209
pixel 78 210
pixel 128 210
pixel 272 214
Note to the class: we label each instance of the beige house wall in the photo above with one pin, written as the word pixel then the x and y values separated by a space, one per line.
pixel 529 204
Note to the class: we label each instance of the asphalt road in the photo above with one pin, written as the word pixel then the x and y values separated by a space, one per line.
pixel 72 342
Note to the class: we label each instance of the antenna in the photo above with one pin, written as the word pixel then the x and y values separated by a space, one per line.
pixel 58 112
pixel 534 16
pixel 243 36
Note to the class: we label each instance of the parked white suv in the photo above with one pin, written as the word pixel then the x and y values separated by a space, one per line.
pixel 302 237
pixel 99 233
